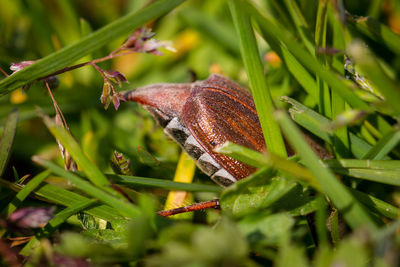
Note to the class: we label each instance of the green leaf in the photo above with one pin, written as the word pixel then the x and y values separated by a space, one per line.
pixel 270 228
pixel 261 191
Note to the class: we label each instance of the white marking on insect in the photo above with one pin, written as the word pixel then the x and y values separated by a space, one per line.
pixel 207 164
pixel 223 177
pixel 193 148
pixel 177 131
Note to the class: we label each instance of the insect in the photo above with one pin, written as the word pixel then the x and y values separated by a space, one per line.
pixel 202 115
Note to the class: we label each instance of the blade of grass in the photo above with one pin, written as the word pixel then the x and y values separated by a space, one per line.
pixel 255 73
pixel 301 24
pixel 53 224
pixel 391 177
pixel 386 144
pixel 162 183
pixel 341 138
pixel 376 204
pixel 60 196
pixel 25 191
pixel 325 104
pixel 123 207
pixel 91 171
pixel 300 74
pixel 366 164
pixel 7 139
pixel 352 210
pixel 86 45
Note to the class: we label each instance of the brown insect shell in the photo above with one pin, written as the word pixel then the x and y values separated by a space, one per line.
pixel 214 111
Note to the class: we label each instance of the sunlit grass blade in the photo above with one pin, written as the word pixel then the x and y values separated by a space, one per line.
pixel 63 197
pixel 7 139
pixel 370 67
pixel 88 44
pixel 353 212
pixel 121 205
pixel 25 191
pixel 132 181
pixel 92 172
pixel 255 72
pixel 54 223
pixel 184 173
pixel 386 144
pixel 306 59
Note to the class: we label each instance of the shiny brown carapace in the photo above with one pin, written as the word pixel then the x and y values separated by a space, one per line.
pixel 202 115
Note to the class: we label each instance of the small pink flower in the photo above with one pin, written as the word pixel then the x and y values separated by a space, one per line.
pixel 15 67
pixel 31 217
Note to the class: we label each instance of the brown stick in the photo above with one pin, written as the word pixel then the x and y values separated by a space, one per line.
pixel 197 206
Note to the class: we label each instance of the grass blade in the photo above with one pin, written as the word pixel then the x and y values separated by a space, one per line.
pixel 162 183
pixel 386 144
pixel 123 207
pixel 63 197
pixel 391 177
pixel 255 73
pixel 366 164
pixel 25 191
pixel 376 204
pixel 7 139
pixel 91 171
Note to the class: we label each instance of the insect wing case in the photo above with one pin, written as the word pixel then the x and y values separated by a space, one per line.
pixel 219 110
pixel 203 115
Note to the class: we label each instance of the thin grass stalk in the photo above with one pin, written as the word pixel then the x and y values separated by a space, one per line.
pixel 255 72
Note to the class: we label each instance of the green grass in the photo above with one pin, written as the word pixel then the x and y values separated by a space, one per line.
pixel 339 210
